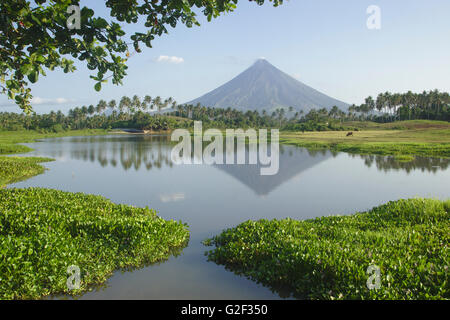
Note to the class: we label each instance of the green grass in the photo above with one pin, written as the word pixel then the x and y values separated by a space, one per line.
pixel 14 169
pixel 328 257
pixel 43 232
pixel 399 125
pixel 6 148
pixel 419 137
pixel 12 137
pixel 404 158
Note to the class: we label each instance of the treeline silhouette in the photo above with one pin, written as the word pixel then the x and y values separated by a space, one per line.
pixel 430 105
pixel 157 114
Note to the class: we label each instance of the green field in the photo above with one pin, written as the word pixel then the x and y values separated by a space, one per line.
pixel 328 257
pixel 403 138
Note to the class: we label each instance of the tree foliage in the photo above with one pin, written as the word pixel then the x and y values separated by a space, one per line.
pixel 431 105
pixel 35 37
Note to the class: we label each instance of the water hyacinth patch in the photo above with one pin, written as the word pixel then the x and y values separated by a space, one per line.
pixel 43 232
pixel 328 257
pixel 8 148
pixel 14 169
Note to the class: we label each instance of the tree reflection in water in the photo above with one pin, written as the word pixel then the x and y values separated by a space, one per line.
pixel 153 151
pixel 387 163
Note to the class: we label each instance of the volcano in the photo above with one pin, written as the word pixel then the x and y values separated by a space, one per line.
pixel 263 86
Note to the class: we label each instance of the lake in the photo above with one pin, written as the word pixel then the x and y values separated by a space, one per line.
pixel 137 170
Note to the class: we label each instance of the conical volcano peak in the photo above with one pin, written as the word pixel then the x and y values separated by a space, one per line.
pixel 262 62
pixel 264 87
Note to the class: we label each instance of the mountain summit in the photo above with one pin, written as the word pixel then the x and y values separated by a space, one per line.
pixel 263 86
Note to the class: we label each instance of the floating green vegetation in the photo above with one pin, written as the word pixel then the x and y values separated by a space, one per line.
pixel 43 232
pixel 14 169
pixel 328 258
pixel 6 148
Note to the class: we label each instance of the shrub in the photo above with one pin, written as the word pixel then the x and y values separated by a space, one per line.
pixel 15 127
pixel 57 128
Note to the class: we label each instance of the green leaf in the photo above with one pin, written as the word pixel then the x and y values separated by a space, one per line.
pixel 33 76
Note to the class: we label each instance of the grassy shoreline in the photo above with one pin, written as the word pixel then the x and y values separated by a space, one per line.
pixel 402 151
pixel 422 138
pixel 328 257
pixel 8 139
pixel 15 169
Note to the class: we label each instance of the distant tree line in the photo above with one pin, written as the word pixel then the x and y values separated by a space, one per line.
pixel 164 114
pixel 127 113
pixel 431 105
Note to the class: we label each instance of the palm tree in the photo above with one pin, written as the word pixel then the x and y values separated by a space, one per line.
pixel 157 103
pixel 166 103
pixel 380 102
pixel 101 106
pixel 135 104
pixel 281 113
pixel 370 103
pixel 334 112
pixel 84 111
pixel 91 110
pixel 124 104
pixel 112 104
pixel 174 105
pixel 147 102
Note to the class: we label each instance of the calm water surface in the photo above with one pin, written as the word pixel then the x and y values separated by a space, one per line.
pixel 136 170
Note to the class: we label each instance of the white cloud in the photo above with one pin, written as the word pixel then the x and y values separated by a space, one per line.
pixel 39 100
pixel 169 59
pixel 172 197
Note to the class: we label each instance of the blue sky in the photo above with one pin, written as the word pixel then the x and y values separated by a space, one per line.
pixel 323 43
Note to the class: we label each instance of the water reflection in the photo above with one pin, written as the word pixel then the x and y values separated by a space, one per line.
pixel 293 161
pixel 387 163
pixel 136 152
pixel 152 152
